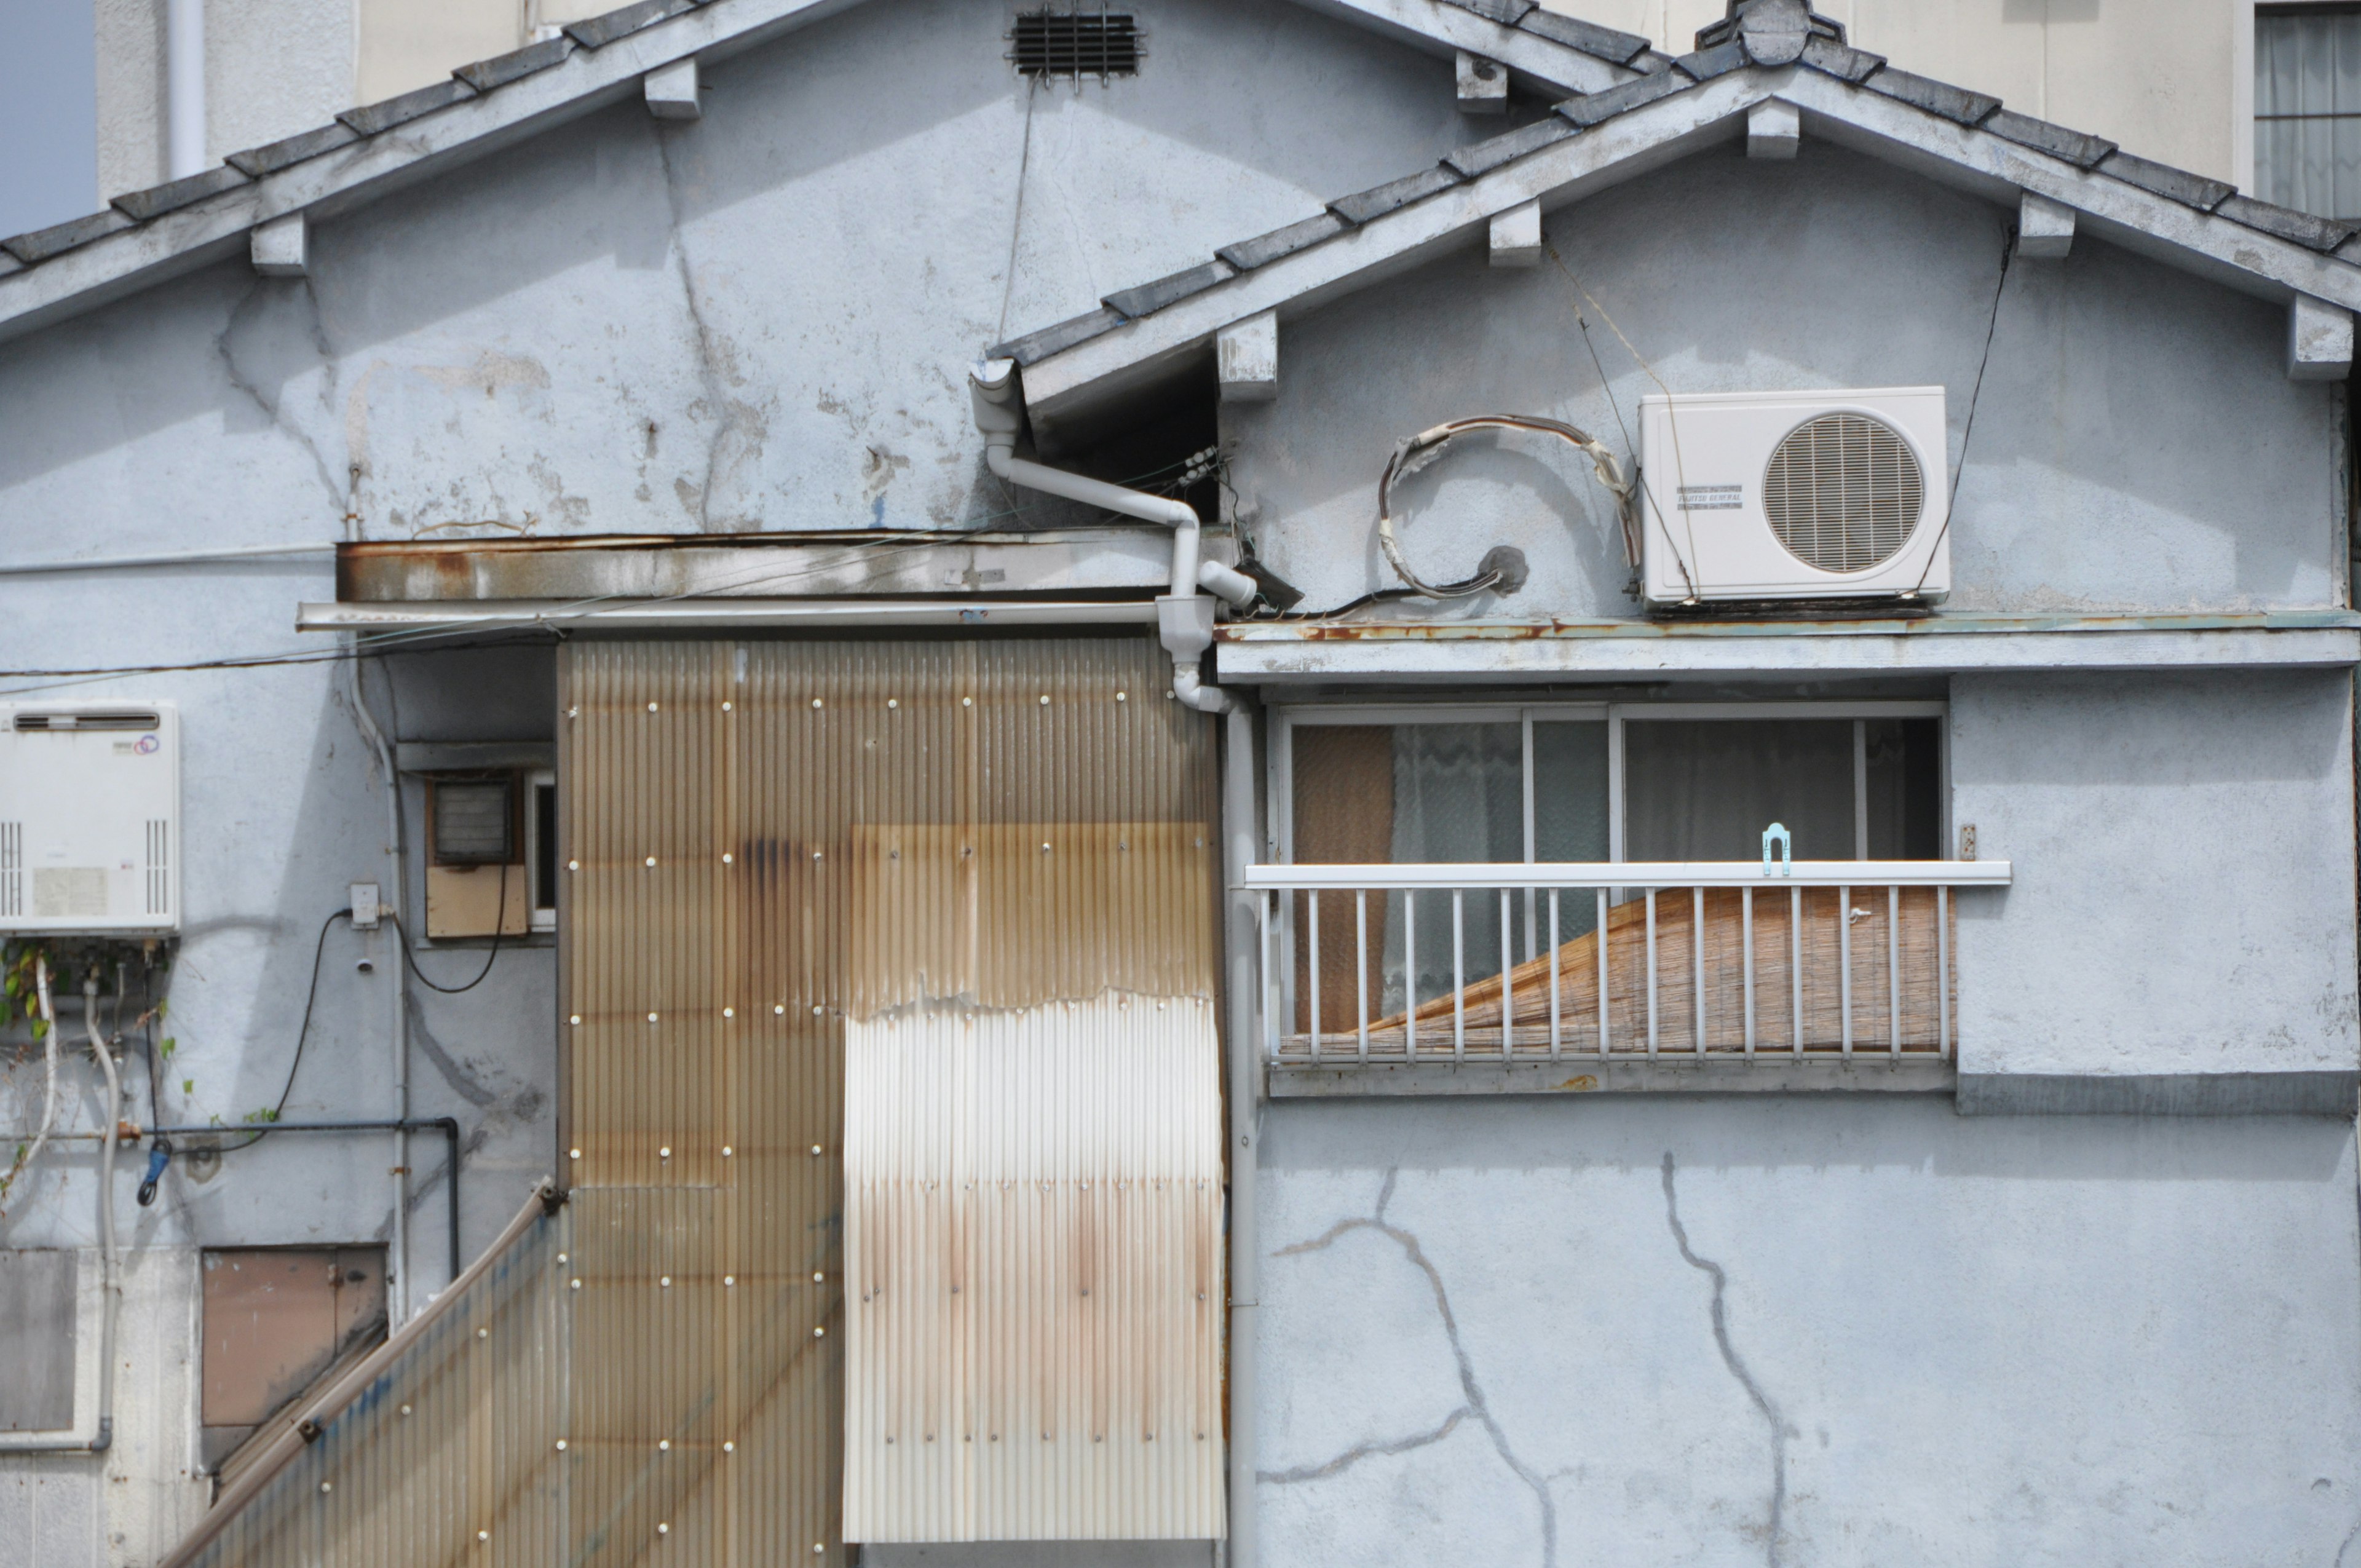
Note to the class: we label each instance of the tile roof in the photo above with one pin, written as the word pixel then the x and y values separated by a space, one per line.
pixel 1731 46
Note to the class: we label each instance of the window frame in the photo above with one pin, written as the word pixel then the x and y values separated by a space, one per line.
pixel 1279 837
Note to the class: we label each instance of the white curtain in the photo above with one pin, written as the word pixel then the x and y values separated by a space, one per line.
pixel 2308 111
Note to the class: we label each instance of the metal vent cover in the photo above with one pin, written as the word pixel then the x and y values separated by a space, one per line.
pixel 1075 44
pixel 1843 492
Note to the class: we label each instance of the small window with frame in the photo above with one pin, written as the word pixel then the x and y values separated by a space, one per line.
pixel 480 872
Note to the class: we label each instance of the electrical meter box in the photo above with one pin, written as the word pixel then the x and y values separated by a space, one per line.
pixel 90 818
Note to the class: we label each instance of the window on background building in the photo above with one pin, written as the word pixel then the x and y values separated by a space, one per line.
pixel 2308 107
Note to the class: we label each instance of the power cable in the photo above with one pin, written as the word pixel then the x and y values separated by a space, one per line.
pixel 302 1032
pixel 499 925
pixel 1968 427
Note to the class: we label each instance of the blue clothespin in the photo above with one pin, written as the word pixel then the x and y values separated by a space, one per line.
pixel 1786 850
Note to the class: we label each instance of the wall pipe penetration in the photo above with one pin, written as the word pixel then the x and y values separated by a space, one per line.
pixel 1184 618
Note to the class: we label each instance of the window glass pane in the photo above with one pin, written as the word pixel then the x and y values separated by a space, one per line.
pixel 1705 789
pixel 1391 795
pixel 1570 822
pixel 1905 809
pixel 2308 109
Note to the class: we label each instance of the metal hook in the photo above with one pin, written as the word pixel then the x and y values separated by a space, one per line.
pixel 1786 850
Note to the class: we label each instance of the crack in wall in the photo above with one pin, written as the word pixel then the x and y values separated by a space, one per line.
pixel 248 306
pixel 1476 1405
pixel 731 416
pixel 1361 1450
pixel 1780 1431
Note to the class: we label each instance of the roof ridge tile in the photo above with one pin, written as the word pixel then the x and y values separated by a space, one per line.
pixel 1483 156
pixel 2080 149
pixel 2307 229
pixel 172 195
pixel 1245 255
pixel 1056 338
pixel 502 68
pixel 1508 13
pixel 274 156
pixel 1592 108
pixel 1705 64
pixel 372 119
pixel 1841 60
pixel 1587 37
pixel 39 244
pixel 2163 179
pixel 1935 97
pixel 1146 298
pixel 1379 200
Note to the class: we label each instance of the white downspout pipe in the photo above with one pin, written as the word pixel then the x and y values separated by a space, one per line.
pixel 1246 960
pixel 1185 617
pixel 398 1030
pixel 184 87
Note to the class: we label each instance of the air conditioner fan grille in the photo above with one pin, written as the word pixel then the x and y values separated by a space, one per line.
pixel 1843 492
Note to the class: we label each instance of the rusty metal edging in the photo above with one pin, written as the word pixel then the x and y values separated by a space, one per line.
pixel 266 1466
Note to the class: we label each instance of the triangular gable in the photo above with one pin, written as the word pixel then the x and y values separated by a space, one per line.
pixel 149 236
pixel 1851 97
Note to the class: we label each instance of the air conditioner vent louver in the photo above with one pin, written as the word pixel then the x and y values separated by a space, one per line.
pixel 101 719
pixel 1842 492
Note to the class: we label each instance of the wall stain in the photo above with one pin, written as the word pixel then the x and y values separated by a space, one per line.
pixel 246 320
pixel 1476 1405
pixel 1780 1431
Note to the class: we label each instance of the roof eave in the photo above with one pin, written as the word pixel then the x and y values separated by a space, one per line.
pixel 1658 132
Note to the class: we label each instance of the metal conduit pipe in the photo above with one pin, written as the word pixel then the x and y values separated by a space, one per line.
pixel 399 1040
pixel 1245 1097
pixel 1185 620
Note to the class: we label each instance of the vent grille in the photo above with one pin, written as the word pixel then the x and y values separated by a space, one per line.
pixel 1843 492
pixel 63 719
pixel 1075 44
pixel 12 869
pixel 159 866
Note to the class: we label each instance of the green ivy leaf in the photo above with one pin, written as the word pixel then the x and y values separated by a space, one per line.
pixel 169 1045
pixel 40 1028
pixel 187 1086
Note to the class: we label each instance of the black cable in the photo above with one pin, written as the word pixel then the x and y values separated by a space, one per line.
pixel 1968 428
pixel 500 925
pixel 302 1030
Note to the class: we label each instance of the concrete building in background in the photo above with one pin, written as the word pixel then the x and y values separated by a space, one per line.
pixel 1279 784
pixel 2173 80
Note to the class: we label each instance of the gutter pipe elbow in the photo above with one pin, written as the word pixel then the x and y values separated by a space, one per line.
pixel 1185 619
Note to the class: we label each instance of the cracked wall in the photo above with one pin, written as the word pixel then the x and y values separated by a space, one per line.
pixel 1786 1331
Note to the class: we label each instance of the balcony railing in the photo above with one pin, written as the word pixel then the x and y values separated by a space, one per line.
pixel 1809 960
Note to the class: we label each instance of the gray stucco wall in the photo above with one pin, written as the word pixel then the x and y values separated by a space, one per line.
pixel 2182 849
pixel 1606 1333
pixel 2137 447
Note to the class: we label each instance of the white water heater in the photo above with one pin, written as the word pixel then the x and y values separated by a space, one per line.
pixel 90 818
pixel 1794 495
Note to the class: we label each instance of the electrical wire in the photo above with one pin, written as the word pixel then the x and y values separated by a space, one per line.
pixel 302 1030
pixel 1427 444
pixel 500 925
pixel 1968 427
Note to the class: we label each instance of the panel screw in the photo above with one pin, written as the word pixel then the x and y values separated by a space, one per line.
pixel 663 1445
pixel 405 1409
pixel 574 865
pixel 574 1154
pixel 890 702
pixel 651 708
pixel 729 1448
pixel 561 1445
pixel 780 1010
pixel 576 1020
pixel 729 1280
pixel 725 708
pixel 325 1486
pixel 725 857
pixel 663 1281
pixel 820 1332
pixel 816 702
pixel 725 1151
pixel 652 860
pixel 1123 696
pixel 815 1148
pixel 664 1529
pixel 664 1152
pixel 1045 699
pixel 651 1017
pixel 967 702
pixel 730 1012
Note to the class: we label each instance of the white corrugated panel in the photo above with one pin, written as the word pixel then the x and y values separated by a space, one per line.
pixel 1034 1290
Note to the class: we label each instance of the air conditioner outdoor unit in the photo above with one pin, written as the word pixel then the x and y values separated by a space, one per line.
pixel 1794 496
pixel 90 818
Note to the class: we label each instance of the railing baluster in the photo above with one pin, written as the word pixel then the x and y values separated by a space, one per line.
pixel 1361 969
pixel 1696 963
pixel 1651 974
pixel 1315 976
pixel 1942 973
pixel 1796 966
pixel 1266 924
pixel 1844 965
pixel 1459 975
pixel 1508 991
pixel 1746 941
pixel 1602 973
pixel 1554 1018
pixel 1410 974
pixel 1894 972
